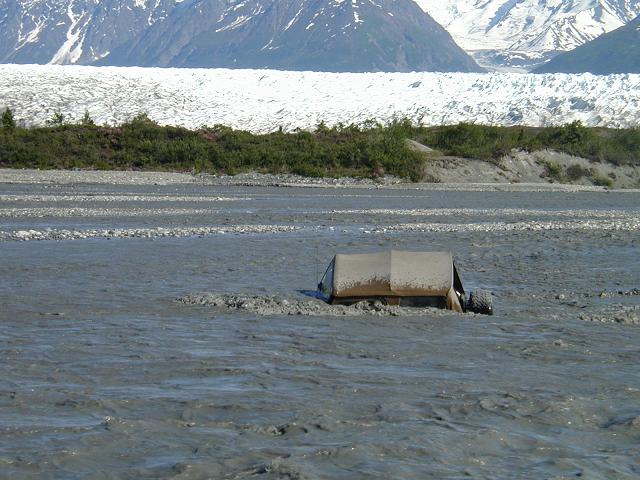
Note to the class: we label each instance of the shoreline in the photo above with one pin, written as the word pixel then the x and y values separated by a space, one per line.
pixel 146 178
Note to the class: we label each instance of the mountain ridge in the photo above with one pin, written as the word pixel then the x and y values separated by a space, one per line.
pixel 614 52
pixel 520 34
pixel 328 35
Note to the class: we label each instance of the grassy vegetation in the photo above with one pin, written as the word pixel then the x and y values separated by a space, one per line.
pixel 621 147
pixel 367 150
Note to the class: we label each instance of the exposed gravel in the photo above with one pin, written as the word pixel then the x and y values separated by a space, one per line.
pixel 46 212
pixel 51 234
pixel 99 197
pixel 487 212
pixel 67 177
pixel 623 315
pixel 632 224
pixel 507 187
pixel 289 180
pixel 493 227
pixel 94 176
pixel 461 183
pixel 275 305
pixel 278 305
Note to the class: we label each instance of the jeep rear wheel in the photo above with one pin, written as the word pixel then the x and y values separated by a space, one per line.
pixel 480 301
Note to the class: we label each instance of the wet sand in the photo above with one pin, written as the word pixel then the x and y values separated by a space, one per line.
pixel 176 342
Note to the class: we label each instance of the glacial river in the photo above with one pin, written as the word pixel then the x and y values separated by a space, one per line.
pixel 104 374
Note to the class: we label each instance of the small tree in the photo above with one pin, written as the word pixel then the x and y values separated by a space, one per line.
pixel 142 119
pixel 8 122
pixel 57 119
pixel 322 128
pixel 87 121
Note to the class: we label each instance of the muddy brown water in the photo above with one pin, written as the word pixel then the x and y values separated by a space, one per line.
pixel 105 375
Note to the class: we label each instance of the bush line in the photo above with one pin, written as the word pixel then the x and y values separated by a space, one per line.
pixel 366 150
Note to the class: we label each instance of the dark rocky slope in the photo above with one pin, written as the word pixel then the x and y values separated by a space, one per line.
pixel 614 52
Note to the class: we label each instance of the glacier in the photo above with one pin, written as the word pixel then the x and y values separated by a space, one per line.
pixel 266 100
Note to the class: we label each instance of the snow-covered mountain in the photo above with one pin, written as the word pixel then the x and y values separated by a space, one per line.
pixel 329 35
pixel 522 33
pixel 264 100
pixel 73 31
pixel 613 52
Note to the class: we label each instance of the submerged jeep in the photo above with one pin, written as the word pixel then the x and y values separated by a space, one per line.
pixel 407 279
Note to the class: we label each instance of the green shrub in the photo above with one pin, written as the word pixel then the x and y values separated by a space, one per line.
pixel 472 141
pixel 492 143
pixel 602 181
pixel 554 171
pixel 576 172
pixel 8 123
pixel 56 119
pixel 369 149
pixel 86 119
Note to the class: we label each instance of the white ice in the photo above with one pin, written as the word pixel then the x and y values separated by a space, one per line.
pixel 264 100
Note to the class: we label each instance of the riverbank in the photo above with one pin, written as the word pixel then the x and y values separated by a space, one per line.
pixel 460 176
pixel 372 154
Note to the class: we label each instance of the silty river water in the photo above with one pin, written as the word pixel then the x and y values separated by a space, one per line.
pixel 106 374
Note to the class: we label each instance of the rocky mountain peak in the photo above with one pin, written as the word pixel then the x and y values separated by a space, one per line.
pixel 333 35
